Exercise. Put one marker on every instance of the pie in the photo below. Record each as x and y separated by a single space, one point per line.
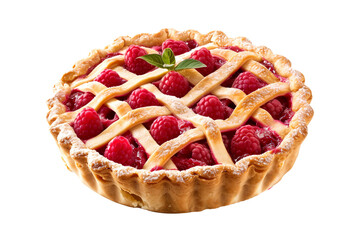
172 139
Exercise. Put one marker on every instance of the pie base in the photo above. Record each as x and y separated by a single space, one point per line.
197 188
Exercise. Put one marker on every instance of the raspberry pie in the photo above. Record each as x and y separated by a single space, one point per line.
180 121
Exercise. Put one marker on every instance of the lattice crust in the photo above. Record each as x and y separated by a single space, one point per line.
131 120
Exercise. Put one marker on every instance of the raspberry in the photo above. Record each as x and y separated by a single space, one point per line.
119 150
173 83
210 106
135 64
203 55
192 44
268 139
178 47
83 99
233 48
77 99
87 124
184 125
186 163
218 62
274 107
142 98
245 143
269 66
201 152
164 128
109 78
247 82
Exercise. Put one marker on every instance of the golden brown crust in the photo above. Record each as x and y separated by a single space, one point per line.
197 188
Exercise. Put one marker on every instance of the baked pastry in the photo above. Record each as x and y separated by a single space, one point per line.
172 139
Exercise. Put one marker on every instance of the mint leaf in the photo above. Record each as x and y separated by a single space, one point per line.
168 56
153 59
189 63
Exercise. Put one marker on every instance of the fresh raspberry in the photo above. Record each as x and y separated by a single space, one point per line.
248 82
210 106
201 152
77 99
87 124
178 47
109 78
218 62
135 64
164 128
83 99
107 116
186 163
119 150
192 44
274 107
184 125
142 98
269 66
203 55
245 143
175 84
268 139
233 48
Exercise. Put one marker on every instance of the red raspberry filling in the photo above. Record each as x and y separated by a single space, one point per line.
269 66
192 44
107 116
233 48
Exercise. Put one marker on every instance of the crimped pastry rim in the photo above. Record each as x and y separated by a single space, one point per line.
68 140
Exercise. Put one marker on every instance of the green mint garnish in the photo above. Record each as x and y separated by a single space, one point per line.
167 61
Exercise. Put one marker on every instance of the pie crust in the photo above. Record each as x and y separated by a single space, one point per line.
197 188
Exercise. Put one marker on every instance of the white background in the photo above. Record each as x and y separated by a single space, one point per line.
41 40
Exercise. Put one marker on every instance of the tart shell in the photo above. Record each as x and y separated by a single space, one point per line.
197 188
